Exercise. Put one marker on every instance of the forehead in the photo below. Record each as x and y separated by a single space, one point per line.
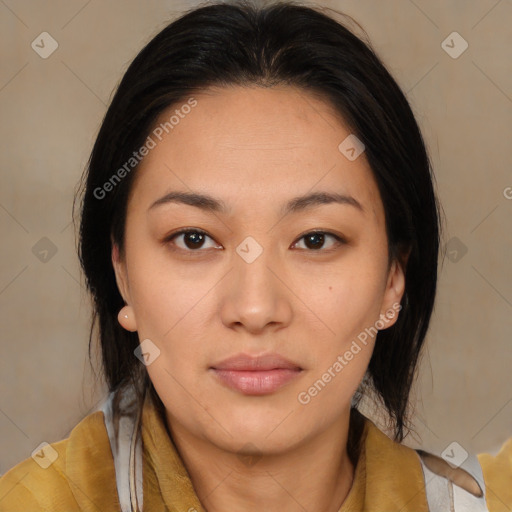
253 144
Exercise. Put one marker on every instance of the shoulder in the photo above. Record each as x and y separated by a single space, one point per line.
393 477
419 478
76 473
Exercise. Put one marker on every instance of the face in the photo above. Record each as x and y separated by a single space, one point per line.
303 283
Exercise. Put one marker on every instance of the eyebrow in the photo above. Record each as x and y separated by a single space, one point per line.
297 204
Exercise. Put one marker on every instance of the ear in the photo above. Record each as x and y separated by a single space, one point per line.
121 275
126 316
394 291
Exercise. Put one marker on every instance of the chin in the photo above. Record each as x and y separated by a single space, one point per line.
267 432
256 444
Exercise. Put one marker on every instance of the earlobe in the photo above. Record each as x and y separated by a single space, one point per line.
126 318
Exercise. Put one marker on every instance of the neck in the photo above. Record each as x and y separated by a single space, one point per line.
317 474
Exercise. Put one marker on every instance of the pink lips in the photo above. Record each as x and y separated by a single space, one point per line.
256 375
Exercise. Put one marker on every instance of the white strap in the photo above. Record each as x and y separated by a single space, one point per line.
439 491
121 418
445 496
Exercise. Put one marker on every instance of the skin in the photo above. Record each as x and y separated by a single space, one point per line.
255 149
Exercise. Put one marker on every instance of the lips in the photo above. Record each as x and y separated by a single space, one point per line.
256 375
244 362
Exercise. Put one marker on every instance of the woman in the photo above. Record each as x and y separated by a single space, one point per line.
260 236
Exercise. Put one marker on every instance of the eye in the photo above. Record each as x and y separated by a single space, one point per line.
191 239
314 240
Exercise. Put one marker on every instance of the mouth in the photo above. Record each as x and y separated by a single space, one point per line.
256 375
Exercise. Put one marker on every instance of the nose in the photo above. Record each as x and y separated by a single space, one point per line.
257 297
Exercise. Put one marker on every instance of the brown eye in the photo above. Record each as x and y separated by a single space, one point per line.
315 240
189 239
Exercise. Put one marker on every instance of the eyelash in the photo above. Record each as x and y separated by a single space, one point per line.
339 240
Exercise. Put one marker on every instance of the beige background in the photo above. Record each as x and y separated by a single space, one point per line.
51 110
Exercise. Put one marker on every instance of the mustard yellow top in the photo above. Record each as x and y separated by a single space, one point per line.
388 476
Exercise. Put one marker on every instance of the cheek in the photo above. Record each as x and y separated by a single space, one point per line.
162 293
350 298
172 306
350 306
167 306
